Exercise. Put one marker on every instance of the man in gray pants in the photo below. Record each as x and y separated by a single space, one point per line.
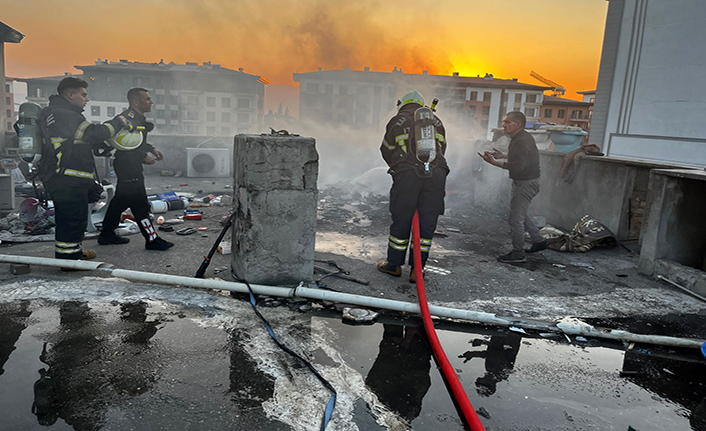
523 164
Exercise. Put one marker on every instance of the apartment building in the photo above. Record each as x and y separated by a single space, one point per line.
366 98
190 99
567 112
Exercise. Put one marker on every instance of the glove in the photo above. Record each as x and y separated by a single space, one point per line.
94 192
148 126
102 150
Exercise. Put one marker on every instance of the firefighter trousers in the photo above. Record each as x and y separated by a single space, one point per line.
71 218
410 193
130 194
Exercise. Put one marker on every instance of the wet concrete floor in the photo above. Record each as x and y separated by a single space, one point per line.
115 360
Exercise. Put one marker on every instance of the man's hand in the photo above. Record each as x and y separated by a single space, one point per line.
498 154
149 159
488 157
158 154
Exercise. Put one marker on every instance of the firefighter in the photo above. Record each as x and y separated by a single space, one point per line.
413 147
130 191
67 166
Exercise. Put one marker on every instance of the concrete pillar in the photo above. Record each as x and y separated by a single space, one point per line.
275 200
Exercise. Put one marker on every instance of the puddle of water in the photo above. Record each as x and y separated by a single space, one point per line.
113 365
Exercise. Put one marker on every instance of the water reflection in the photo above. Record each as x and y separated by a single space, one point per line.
13 320
400 375
677 376
90 363
500 356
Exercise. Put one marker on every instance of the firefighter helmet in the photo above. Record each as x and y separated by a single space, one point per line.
410 97
125 140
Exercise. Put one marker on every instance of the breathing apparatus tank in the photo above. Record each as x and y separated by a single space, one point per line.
425 137
29 132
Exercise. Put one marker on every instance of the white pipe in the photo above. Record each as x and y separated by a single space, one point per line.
690 292
568 327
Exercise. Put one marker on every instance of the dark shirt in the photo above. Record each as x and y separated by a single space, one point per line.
128 164
522 157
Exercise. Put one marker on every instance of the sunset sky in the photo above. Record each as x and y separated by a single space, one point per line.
559 39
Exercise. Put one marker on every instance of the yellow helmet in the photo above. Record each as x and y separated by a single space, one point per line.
125 140
410 97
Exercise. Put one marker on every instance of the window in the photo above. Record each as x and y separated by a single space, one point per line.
576 114
486 96
243 103
191 129
486 110
191 114
225 102
531 98
561 113
329 88
225 131
243 118
95 111
210 131
474 96
312 87
531 112
210 102
210 116
225 117
9 114
174 100
8 101
174 115
548 113
111 111
362 90
343 89
472 110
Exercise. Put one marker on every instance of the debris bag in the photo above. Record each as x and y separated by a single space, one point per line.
586 234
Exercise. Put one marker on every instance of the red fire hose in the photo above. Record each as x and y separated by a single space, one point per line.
469 413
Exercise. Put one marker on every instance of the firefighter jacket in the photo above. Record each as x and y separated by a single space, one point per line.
399 145
72 139
128 164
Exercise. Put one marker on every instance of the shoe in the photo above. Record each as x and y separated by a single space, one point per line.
513 257
537 246
388 268
413 275
158 244
112 239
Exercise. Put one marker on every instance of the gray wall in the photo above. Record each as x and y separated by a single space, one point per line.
651 94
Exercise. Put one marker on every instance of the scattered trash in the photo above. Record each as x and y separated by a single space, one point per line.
668 372
158 206
160 220
516 329
19 268
628 373
186 231
483 412
454 230
166 173
567 338
203 228
549 335
224 247
703 349
359 315
582 265
621 275
558 265
581 339
166 228
183 184
193 215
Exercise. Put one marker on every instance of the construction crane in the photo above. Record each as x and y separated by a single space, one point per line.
558 89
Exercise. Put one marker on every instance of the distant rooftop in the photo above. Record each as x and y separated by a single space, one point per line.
206 66
9 34
488 81
554 100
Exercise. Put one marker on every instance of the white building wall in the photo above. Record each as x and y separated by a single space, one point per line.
657 97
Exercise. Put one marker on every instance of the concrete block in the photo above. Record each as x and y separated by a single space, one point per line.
275 199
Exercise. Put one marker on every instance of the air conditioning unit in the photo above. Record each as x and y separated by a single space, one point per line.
208 162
